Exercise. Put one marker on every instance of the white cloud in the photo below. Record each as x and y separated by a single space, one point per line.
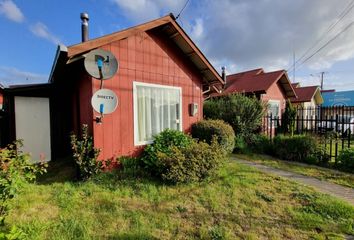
197 29
144 10
13 76
265 33
11 11
41 30
251 34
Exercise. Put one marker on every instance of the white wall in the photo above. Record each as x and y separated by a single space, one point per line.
33 126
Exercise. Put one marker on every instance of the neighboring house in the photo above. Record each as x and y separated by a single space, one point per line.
307 102
274 88
161 74
1 96
307 97
2 117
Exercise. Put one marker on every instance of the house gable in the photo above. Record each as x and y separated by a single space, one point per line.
168 27
259 82
309 94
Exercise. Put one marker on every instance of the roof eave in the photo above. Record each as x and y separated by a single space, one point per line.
61 53
206 70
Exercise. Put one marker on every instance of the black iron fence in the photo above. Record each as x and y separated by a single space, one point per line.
333 125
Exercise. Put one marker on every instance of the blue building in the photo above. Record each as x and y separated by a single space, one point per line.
331 99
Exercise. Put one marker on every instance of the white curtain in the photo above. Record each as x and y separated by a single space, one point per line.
158 109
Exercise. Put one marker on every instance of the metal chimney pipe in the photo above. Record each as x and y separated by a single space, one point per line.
223 75
84 27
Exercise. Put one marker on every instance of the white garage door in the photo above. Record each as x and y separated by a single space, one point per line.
33 126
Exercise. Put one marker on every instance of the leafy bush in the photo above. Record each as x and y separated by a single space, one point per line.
163 143
15 169
195 162
346 160
85 154
131 166
205 130
301 148
321 156
240 144
260 144
243 113
13 234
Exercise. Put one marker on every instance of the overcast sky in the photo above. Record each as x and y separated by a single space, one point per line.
241 35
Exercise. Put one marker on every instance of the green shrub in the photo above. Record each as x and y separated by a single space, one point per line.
301 148
163 143
243 113
13 234
240 145
15 169
205 130
346 160
130 166
85 154
260 144
322 157
195 162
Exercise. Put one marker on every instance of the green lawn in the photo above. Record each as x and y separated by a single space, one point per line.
240 203
341 178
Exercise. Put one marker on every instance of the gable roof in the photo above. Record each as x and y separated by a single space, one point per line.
295 85
257 81
168 26
306 94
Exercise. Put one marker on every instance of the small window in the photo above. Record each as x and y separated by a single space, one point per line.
156 107
273 112
273 108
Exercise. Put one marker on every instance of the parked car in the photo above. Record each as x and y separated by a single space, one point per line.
344 124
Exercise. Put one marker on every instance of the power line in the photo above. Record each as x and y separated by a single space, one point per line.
185 5
345 11
341 16
326 44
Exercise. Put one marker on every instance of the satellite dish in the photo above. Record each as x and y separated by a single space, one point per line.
104 101
101 64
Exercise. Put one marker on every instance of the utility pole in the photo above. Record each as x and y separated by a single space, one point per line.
294 81
321 77
322 73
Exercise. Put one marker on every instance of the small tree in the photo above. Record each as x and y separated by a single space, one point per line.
85 154
243 113
288 118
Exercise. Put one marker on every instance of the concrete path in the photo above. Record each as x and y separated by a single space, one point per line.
344 193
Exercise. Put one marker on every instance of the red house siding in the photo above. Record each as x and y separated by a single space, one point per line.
275 93
144 57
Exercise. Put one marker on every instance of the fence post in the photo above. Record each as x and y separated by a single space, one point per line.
302 119
271 126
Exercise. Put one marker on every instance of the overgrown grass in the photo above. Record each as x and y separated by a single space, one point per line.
334 176
240 203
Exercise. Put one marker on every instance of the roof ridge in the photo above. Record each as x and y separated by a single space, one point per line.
259 69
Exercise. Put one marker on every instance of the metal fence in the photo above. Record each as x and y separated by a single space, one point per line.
334 126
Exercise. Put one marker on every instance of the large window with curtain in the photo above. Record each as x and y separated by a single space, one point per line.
156 107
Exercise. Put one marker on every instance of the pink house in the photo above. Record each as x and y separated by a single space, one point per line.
274 88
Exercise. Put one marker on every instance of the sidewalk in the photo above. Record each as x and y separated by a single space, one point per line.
344 193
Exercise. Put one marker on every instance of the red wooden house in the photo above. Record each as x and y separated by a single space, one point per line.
161 74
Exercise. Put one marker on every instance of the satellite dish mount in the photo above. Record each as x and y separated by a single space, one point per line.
102 65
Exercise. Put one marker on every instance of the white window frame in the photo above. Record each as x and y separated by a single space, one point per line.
277 102
135 108
274 124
